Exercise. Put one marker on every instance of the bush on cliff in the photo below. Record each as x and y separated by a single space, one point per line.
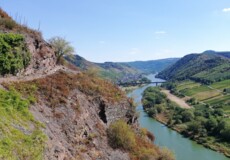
13 53
121 136
137 143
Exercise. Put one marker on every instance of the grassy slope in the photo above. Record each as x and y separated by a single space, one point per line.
21 135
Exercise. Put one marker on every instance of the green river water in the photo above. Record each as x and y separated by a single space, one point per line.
183 148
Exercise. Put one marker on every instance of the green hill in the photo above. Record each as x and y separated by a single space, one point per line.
152 66
109 70
122 71
82 63
207 67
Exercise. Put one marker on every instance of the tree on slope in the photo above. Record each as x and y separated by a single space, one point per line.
62 47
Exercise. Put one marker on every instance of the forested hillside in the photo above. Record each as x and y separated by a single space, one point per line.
108 70
207 67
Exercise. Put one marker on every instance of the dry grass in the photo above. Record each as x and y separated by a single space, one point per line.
9 25
55 89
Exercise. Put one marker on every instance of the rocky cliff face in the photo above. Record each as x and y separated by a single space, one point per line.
43 57
81 133
76 118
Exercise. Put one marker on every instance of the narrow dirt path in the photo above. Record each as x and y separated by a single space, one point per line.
177 100
35 75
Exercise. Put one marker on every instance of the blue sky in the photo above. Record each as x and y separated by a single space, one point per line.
128 30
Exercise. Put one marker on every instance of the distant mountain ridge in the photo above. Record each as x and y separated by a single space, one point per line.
152 66
109 70
209 66
117 71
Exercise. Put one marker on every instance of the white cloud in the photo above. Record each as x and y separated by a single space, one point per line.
160 32
226 10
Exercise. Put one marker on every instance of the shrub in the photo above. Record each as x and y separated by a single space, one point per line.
13 53
151 112
195 127
187 115
121 136
7 23
225 130
61 47
166 154
211 124
152 96
148 134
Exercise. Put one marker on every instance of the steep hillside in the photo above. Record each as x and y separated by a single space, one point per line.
39 54
118 71
152 66
207 67
76 110
52 112
107 70
82 63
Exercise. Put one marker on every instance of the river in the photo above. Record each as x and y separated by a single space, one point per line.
183 148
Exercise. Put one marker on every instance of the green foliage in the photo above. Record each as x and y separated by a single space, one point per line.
187 115
205 79
192 101
205 68
225 130
169 85
152 96
61 47
121 136
18 139
196 128
13 53
211 124
109 70
202 121
151 112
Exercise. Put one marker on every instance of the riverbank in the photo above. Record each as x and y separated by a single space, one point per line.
212 146
183 148
185 121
